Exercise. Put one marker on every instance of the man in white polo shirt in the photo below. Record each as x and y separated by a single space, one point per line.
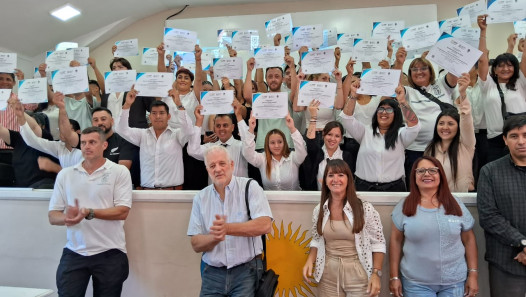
92 199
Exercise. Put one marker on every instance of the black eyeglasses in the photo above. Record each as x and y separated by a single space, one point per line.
384 109
431 171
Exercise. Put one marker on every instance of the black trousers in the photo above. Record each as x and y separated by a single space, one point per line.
394 186
109 270
496 148
504 284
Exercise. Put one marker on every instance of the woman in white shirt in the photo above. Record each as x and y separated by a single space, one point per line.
278 164
348 245
506 84
380 163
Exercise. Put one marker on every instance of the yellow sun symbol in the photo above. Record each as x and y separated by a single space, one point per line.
286 256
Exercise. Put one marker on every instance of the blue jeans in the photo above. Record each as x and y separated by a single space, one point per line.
238 281
412 289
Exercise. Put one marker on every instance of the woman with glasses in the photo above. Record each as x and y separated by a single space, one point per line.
434 231
380 163
427 95
453 142
504 88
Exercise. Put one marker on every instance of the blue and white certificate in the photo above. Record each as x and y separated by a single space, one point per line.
7 62
4 96
179 40
56 60
473 10
470 36
369 50
217 102
420 36
321 61
317 90
119 81
81 55
520 28
224 36
272 105
126 48
385 29
505 11
279 25
153 84
460 21
345 42
242 40
231 68
150 56
271 56
381 82
70 80
454 55
330 37
32 90
309 36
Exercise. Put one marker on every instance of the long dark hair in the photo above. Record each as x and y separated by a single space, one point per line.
506 58
391 136
339 166
443 195
452 151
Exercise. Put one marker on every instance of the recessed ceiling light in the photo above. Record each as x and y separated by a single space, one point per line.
65 12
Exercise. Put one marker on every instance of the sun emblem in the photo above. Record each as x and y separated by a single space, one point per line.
286 256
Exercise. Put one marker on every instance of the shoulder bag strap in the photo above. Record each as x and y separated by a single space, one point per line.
443 105
502 103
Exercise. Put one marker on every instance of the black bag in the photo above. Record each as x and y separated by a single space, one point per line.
505 113
443 105
268 282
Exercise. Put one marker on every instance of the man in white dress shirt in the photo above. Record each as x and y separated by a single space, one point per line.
220 227
160 146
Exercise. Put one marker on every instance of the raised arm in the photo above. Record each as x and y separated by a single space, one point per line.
337 57
401 55
484 59
520 48
339 100
161 67
70 137
295 85
467 130
98 74
512 40
247 87
351 102
314 106
249 145
409 114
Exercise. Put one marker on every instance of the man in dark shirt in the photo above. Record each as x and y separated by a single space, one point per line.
501 203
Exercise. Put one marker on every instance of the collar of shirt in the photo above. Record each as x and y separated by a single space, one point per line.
230 187
80 168
229 142
282 160
150 130
338 154
518 167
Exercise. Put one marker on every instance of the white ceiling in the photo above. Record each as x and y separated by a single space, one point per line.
29 30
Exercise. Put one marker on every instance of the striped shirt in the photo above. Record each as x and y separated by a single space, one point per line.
8 120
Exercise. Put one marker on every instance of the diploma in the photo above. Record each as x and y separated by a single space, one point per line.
150 56
70 80
505 11
81 55
473 10
179 40
32 90
470 36
206 60
520 28
224 36
330 37
454 55
279 25
385 29
368 50
309 36
460 21
217 102
231 68
4 96
381 82
420 36
119 81
127 48
243 40
316 90
321 61
153 84
345 42
271 56
272 105
7 62
56 60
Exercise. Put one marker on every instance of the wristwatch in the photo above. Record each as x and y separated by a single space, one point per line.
91 214
377 272
523 243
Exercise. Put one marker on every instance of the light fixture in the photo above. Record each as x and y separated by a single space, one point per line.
65 12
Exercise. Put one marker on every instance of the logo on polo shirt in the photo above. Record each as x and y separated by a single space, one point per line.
114 151
104 180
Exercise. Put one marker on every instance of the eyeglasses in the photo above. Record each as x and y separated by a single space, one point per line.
422 171
421 69
384 109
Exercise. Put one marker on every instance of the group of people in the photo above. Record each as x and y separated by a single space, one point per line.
423 140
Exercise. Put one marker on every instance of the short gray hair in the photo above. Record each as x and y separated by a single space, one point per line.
97 130
215 148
